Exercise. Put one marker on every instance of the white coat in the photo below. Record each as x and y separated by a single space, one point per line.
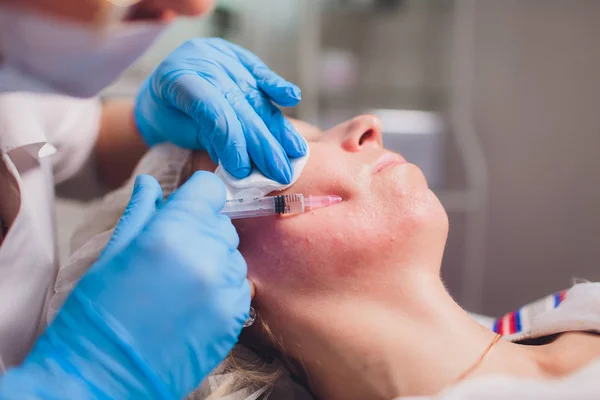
44 139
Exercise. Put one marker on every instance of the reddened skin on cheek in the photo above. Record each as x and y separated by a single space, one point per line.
295 250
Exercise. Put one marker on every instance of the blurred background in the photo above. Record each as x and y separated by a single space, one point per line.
497 101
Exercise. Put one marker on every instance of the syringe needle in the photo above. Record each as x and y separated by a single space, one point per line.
314 202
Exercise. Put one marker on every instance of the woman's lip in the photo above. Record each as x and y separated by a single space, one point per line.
387 160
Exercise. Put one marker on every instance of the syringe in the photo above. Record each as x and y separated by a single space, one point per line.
276 205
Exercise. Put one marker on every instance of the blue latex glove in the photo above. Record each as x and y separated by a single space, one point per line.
162 306
213 95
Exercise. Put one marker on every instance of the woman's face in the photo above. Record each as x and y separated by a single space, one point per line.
388 219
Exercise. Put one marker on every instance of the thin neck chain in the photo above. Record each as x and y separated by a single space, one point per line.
481 358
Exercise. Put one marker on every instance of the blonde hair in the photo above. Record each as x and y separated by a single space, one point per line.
249 367
251 375
255 368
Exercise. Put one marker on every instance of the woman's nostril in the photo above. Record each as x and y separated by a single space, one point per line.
365 136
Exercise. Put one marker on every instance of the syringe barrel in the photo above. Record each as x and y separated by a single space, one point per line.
264 206
293 203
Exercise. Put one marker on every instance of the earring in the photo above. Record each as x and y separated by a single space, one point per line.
251 318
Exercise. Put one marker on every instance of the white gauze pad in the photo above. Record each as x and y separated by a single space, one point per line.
256 184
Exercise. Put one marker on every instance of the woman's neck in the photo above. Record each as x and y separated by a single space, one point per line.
417 342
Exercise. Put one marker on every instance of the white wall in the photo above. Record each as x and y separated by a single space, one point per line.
538 112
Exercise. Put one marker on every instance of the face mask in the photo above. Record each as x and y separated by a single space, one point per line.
48 55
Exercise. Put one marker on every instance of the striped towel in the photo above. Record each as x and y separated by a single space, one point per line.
518 325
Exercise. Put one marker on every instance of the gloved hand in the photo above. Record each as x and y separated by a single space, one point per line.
213 95
163 305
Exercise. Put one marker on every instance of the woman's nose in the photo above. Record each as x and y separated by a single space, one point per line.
363 132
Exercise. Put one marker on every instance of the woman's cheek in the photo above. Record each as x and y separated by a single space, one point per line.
286 249
304 251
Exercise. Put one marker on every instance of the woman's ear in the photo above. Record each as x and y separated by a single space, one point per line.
252 289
